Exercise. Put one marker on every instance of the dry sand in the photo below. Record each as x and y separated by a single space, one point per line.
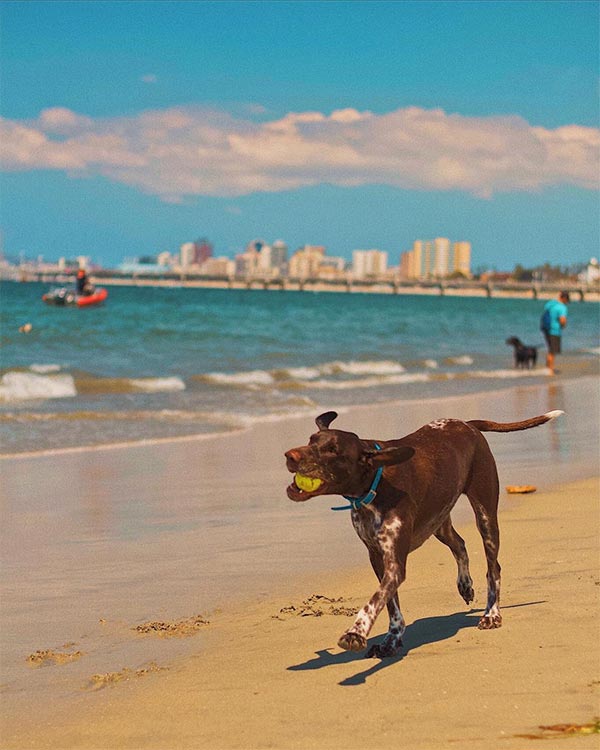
271 676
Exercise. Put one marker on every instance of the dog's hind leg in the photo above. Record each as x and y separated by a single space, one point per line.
448 535
483 493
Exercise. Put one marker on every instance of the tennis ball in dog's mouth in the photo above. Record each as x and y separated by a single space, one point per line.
308 484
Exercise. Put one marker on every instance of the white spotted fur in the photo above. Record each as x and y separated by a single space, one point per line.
438 424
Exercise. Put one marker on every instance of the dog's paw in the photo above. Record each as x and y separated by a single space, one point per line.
384 650
489 622
352 642
465 589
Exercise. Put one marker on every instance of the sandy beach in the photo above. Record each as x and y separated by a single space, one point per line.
180 601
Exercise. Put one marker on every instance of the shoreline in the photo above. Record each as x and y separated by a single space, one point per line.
285 683
273 419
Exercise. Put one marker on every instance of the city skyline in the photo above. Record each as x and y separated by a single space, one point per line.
440 258
347 125
428 259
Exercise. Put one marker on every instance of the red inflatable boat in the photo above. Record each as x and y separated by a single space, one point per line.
65 296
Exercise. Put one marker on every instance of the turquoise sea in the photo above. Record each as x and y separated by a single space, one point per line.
157 362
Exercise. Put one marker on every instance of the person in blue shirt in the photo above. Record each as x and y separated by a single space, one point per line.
554 319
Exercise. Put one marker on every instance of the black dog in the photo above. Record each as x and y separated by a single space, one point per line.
525 356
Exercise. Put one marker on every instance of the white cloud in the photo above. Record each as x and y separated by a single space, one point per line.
186 151
62 121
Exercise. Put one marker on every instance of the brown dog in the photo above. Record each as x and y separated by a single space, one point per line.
400 493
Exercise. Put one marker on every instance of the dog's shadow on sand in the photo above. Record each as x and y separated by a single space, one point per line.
419 633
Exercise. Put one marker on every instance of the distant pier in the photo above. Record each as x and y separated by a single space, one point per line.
449 288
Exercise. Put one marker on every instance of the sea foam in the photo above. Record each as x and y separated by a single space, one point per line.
44 369
309 374
249 378
464 359
158 384
21 386
382 367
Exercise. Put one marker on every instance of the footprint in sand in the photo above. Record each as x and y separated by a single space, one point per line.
182 628
99 681
50 657
317 605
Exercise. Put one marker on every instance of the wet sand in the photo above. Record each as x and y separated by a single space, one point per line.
172 583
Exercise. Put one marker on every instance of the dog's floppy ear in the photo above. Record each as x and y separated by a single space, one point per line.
389 456
324 420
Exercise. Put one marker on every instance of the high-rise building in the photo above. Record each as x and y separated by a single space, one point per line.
264 260
369 263
203 250
436 259
255 260
427 260
418 263
441 254
195 253
416 257
306 261
279 253
461 258
246 263
187 254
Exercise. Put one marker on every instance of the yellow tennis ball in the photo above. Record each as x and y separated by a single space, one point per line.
308 484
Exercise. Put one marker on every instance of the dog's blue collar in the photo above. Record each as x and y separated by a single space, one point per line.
359 502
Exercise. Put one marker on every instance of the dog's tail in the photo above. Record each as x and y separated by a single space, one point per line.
483 425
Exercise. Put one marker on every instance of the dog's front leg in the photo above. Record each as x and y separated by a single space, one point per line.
392 642
393 542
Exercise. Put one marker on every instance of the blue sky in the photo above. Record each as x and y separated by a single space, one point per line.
131 127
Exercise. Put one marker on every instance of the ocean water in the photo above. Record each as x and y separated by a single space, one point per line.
160 362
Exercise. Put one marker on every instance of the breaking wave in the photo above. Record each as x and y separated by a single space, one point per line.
47 382
299 375
347 375
22 386
250 379
158 384
45 369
